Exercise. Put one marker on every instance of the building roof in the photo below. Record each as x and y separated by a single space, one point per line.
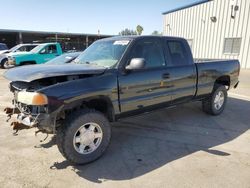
186 6
48 32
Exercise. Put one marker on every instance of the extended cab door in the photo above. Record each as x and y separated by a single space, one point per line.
181 69
148 87
47 53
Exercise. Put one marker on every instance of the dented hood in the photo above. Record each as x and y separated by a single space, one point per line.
29 73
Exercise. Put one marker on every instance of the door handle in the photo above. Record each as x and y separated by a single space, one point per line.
166 75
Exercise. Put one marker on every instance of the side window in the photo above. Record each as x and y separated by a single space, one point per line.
151 51
21 49
178 53
50 49
30 48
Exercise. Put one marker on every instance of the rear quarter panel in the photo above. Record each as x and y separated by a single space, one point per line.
209 72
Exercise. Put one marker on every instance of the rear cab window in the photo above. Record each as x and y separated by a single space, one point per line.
50 49
178 53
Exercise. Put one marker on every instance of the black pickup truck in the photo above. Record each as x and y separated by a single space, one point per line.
114 78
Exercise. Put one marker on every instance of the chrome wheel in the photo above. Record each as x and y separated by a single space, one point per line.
87 138
219 100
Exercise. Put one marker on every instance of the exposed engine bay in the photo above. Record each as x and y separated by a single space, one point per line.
44 82
27 114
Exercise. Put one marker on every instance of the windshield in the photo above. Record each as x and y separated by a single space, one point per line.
65 58
15 47
103 53
37 49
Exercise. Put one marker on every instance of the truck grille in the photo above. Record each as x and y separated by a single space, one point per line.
30 109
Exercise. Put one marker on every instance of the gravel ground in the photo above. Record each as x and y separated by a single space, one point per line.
177 147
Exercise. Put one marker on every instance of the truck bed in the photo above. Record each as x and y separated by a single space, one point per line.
209 71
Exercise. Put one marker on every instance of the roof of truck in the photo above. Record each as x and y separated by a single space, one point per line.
132 37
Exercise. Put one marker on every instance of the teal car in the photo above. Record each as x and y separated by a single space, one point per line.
40 54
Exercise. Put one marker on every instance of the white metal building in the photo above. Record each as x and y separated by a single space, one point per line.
215 29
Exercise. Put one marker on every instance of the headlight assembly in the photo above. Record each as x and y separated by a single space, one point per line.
32 98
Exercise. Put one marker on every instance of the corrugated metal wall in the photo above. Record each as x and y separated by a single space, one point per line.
207 37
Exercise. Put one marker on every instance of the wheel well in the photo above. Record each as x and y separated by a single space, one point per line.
103 105
223 80
99 103
4 59
28 63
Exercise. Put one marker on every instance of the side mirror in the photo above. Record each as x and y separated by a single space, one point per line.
136 63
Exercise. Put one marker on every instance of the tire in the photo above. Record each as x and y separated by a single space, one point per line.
4 63
212 105
74 136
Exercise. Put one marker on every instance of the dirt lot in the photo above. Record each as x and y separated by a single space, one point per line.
178 147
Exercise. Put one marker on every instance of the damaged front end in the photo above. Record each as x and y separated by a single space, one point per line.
30 109
22 121
38 93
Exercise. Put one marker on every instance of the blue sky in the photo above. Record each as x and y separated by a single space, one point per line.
85 16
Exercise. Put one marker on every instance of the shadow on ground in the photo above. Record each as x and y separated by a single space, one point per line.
142 144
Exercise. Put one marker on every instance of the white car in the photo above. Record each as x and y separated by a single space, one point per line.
18 48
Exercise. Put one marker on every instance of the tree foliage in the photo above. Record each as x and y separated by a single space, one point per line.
139 29
156 33
128 32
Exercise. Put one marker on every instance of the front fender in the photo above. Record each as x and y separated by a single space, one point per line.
73 92
25 58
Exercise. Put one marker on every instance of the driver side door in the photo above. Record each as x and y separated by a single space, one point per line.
145 89
47 53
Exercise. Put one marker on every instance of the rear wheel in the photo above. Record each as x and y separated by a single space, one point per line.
215 104
84 137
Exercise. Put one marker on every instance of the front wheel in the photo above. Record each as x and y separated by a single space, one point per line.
5 64
216 103
84 137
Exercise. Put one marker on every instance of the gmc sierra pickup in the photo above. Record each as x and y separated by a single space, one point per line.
114 78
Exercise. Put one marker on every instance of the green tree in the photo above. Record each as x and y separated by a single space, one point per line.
156 33
139 29
127 32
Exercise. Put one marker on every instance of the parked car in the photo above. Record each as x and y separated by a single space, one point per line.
114 78
17 48
3 48
38 55
64 58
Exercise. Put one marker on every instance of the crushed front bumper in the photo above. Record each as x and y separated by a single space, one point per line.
44 122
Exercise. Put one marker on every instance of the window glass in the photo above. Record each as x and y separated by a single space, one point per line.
151 51
3 47
22 49
103 52
178 53
28 48
51 49
232 45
